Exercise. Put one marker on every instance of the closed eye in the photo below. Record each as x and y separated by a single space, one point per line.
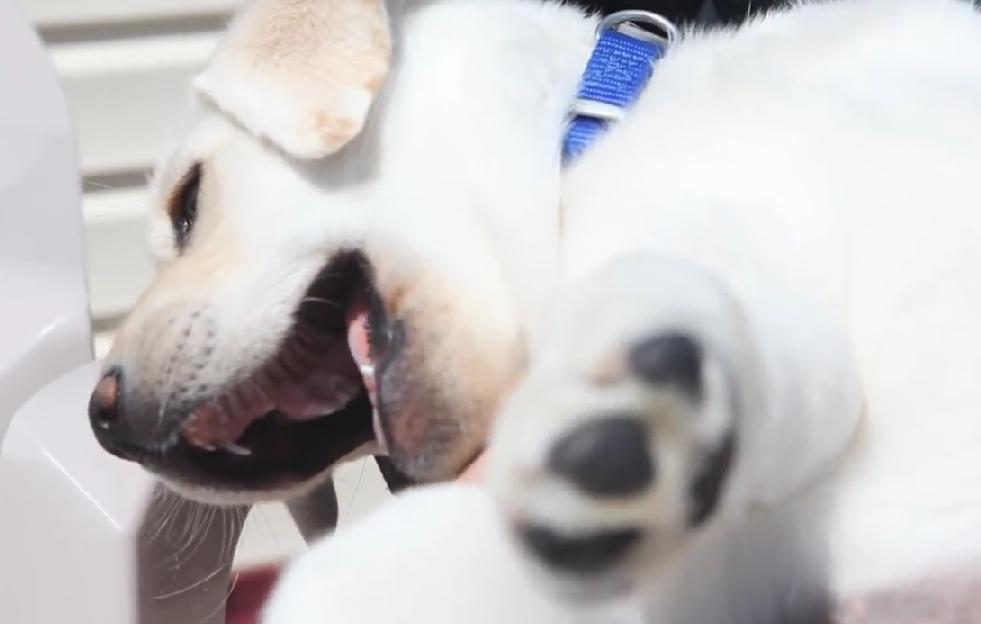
183 207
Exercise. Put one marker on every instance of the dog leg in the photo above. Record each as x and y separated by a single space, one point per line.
660 399
315 513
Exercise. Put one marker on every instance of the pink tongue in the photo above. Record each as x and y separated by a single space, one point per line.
357 341
357 335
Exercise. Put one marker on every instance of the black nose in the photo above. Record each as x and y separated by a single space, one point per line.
606 457
580 554
107 418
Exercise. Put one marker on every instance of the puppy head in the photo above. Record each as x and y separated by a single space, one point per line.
299 316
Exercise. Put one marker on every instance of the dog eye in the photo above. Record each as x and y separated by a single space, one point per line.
184 206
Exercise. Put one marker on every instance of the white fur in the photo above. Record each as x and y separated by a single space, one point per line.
822 165
455 558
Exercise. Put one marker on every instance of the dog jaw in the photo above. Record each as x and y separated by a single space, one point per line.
441 367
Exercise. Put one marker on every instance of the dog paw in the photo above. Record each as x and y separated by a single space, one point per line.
612 461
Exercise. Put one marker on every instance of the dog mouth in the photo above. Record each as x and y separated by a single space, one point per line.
308 406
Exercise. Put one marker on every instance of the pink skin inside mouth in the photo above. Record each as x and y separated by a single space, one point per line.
317 395
328 383
314 377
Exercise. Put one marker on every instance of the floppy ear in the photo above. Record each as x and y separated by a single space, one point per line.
301 73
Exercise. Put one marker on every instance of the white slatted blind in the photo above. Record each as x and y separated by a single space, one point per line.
125 96
61 12
125 66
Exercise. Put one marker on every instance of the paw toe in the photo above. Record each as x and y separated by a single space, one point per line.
670 358
605 457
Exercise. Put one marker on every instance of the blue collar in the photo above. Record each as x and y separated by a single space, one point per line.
617 72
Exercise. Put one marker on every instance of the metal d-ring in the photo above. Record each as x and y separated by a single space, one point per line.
634 16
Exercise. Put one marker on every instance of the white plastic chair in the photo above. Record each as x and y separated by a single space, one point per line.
80 531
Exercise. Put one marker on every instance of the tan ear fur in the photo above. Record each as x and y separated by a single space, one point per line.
301 73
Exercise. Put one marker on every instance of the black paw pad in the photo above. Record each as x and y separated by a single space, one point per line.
581 554
672 358
606 457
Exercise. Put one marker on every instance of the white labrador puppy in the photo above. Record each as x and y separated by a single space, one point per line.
756 391
743 322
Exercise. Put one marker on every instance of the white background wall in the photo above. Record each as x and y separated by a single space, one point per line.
125 67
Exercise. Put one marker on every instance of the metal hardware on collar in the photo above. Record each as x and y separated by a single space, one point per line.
628 20
596 110
617 72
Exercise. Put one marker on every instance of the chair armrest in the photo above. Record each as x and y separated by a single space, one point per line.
45 332
87 537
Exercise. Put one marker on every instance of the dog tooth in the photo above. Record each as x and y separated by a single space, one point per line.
370 383
379 432
237 450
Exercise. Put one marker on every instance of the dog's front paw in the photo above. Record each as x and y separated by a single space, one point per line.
609 462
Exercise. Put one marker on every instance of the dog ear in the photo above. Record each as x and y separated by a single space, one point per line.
301 73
